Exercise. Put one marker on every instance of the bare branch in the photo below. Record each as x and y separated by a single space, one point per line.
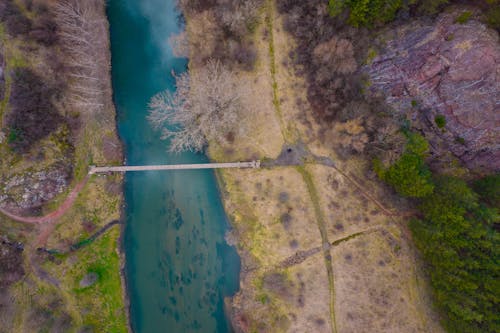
203 108
83 33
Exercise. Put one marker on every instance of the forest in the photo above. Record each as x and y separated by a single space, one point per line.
457 233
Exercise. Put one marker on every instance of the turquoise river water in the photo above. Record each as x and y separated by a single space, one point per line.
178 266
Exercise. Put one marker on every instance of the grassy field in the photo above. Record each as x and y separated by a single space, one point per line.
281 212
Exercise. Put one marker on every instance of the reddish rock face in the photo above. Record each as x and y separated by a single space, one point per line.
446 69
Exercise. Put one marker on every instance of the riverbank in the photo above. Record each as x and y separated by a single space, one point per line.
81 289
310 236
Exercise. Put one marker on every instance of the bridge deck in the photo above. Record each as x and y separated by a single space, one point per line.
125 168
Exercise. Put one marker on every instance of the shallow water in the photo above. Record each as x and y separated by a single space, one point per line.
178 266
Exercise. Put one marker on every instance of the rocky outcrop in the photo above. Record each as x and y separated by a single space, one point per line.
449 70
23 192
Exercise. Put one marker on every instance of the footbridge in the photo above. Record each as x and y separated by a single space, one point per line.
126 168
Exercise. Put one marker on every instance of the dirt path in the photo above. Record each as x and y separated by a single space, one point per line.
53 216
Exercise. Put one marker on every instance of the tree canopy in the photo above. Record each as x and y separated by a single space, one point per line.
366 12
409 175
457 234
204 107
461 246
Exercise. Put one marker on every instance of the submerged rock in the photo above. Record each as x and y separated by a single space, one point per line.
448 70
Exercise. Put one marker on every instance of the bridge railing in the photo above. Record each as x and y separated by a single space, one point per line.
126 168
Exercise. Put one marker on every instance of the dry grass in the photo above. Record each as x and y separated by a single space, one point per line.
377 270
376 282
282 213
310 310
346 210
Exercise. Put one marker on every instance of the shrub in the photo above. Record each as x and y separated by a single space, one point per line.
493 17
44 31
15 22
416 144
229 24
366 12
409 175
372 54
489 189
463 18
460 140
430 7
440 121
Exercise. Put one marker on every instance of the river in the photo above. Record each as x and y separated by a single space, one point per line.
178 266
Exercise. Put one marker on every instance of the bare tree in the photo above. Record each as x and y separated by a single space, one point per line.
204 107
83 32
238 15
335 56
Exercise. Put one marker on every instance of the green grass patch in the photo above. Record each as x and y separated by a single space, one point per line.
272 61
464 17
372 53
104 298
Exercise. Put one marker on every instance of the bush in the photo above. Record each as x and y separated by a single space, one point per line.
489 189
15 22
44 31
366 12
460 140
429 7
229 24
440 121
409 175
416 144
463 18
493 18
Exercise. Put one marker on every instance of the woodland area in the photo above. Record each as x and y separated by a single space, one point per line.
457 233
